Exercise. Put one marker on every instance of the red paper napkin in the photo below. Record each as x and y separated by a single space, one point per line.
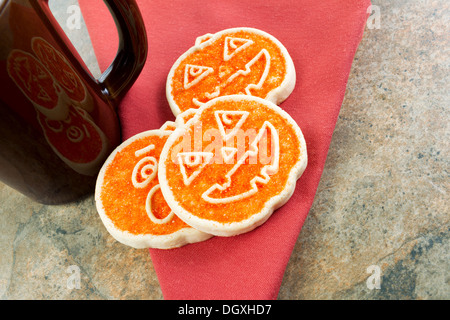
321 37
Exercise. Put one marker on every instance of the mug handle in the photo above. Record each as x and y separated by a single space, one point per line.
131 55
130 58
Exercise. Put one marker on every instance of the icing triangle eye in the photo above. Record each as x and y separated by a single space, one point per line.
229 122
233 46
192 163
193 74
228 153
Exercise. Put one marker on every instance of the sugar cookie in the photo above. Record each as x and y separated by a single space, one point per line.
129 200
233 61
232 164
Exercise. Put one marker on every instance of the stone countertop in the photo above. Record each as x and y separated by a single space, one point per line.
381 206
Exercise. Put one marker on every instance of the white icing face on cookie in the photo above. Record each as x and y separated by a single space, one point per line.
229 166
233 61
129 200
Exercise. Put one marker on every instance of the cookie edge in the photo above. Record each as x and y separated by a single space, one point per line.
257 219
277 95
174 240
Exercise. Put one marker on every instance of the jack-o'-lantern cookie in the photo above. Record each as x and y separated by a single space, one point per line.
129 199
233 61
232 164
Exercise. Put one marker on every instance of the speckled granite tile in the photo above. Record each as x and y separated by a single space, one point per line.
40 244
382 200
48 240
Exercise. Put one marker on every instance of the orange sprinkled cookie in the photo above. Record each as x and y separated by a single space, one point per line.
233 61
129 199
228 167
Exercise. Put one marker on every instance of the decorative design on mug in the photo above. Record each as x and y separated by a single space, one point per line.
62 71
38 85
53 87
76 140
76 134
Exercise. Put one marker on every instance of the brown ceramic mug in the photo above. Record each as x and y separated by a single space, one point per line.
57 122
